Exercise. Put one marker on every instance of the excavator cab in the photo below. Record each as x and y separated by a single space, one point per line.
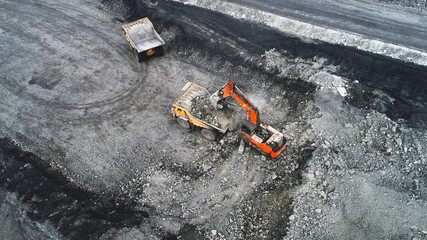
255 132
248 127
266 139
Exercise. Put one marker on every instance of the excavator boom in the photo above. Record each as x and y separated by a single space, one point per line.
230 89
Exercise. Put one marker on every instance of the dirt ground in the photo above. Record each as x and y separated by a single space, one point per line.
89 148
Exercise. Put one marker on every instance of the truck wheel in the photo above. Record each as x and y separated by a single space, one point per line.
139 56
208 134
183 123
160 51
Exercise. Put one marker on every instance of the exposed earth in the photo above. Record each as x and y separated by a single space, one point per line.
89 149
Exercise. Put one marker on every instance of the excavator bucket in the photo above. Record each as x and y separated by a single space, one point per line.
215 98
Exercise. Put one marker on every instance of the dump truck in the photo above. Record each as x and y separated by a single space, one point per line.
192 109
143 39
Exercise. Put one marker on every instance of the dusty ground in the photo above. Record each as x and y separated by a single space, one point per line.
90 150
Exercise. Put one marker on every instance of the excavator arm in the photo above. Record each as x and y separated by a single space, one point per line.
230 89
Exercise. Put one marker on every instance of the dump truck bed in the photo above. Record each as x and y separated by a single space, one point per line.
142 35
190 91
195 100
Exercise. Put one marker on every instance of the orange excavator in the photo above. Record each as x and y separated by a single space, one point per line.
264 138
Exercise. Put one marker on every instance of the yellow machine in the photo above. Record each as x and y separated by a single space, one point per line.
182 110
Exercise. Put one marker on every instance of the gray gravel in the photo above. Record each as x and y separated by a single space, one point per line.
73 94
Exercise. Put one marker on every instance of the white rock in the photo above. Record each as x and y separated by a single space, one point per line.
323 194
241 147
342 91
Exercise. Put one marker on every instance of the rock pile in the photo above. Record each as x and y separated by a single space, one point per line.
202 108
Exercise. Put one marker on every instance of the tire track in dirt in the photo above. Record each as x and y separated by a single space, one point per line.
106 106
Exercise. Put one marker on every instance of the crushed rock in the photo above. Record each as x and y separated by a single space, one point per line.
202 108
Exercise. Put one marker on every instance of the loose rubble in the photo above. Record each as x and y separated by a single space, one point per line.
202 108
350 170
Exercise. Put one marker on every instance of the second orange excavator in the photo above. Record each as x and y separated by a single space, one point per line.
264 138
